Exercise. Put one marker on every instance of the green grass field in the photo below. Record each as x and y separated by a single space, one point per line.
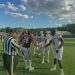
44 69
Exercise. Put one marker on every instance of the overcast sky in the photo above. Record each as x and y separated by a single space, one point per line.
36 13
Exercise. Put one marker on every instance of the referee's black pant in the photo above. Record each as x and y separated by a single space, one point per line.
7 60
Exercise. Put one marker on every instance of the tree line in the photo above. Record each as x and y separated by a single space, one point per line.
68 27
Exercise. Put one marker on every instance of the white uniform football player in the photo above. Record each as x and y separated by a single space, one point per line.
35 39
45 40
39 43
26 51
57 41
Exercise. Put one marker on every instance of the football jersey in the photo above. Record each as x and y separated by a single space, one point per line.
56 41
44 39
26 41
34 38
48 39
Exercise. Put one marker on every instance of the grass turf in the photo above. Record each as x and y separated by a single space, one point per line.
44 69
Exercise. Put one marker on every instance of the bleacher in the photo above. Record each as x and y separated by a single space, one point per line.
69 36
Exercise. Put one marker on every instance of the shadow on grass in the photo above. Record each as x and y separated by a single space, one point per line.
35 72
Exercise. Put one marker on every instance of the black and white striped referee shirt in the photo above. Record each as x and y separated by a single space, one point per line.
10 46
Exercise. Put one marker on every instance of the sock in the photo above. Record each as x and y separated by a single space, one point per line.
26 63
61 70
30 64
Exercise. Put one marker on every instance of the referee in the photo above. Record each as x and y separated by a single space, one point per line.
10 48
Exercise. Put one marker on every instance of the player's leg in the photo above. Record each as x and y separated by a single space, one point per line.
43 55
60 64
54 66
48 52
39 51
61 67
34 49
25 57
55 60
60 61
29 60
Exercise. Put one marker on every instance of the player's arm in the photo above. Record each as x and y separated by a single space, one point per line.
14 44
62 42
48 43
34 42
